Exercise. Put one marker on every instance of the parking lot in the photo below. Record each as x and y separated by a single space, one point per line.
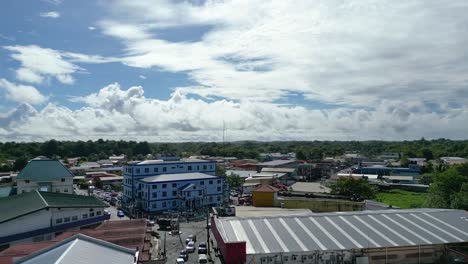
174 244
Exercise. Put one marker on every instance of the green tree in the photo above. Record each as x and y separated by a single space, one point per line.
20 163
220 171
97 182
234 180
301 155
349 186
448 188
404 162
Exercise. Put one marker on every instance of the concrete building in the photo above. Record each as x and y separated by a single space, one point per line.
386 171
135 171
264 196
82 249
37 216
45 176
181 191
386 236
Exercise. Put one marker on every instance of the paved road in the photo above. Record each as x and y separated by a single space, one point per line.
111 209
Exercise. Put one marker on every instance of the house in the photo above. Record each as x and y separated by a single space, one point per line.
264 196
83 248
45 176
37 216
181 191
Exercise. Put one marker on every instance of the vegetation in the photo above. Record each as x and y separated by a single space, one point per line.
402 199
349 186
449 189
101 149
234 180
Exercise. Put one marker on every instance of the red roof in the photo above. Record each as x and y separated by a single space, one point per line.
127 233
266 188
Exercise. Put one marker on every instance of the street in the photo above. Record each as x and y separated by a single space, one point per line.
112 209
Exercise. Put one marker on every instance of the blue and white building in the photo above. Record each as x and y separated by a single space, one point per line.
133 172
182 191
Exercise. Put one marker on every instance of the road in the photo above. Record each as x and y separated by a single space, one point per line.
112 209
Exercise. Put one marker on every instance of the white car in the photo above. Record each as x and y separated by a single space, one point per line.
190 247
180 261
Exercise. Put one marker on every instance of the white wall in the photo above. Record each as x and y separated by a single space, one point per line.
63 187
30 222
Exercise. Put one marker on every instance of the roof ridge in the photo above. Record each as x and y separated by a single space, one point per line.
43 199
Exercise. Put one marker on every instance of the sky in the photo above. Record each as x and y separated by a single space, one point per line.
172 71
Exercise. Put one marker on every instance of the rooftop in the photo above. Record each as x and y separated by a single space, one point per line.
152 162
44 170
346 230
266 188
30 202
285 170
276 162
178 177
81 249
310 187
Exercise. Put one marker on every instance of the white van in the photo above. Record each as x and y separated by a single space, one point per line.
202 258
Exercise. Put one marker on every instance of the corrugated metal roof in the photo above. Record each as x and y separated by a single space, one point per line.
44 170
178 177
344 231
276 162
81 249
26 203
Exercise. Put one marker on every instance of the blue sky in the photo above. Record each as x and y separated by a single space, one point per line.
176 70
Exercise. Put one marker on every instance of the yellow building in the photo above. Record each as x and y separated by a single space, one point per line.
264 196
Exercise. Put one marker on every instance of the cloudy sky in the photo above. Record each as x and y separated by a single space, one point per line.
265 70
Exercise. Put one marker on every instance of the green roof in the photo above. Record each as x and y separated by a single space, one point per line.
26 203
44 170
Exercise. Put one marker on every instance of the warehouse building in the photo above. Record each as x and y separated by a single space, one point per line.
390 236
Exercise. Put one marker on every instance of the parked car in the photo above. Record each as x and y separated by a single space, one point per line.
202 248
120 213
183 254
180 261
193 238
190 247
202 258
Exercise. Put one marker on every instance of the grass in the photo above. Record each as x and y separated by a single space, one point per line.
402 199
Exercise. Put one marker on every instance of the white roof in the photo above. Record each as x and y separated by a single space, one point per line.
81 249
346 230
178 177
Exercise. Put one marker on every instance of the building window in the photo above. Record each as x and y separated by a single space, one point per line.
219 198
154 186
173 167
198 167
174 193
58 220
174 203
164 185
211 199
66 219
154 205
154 195
91 214
200 192
155 170
219 181
98 213
164 169
219 189
146 170
163 204
27 181
211 182
138 170
174 185
211 166
202 182
74 218
164 194
57 190
189 168
85 216
65 190
63 179
204 167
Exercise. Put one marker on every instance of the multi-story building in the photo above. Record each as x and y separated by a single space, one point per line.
135 171
181 191
46 176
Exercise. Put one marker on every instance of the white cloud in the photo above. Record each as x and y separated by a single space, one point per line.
51 14
116 113
22 93
91 28
38 64
142 77
355 52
